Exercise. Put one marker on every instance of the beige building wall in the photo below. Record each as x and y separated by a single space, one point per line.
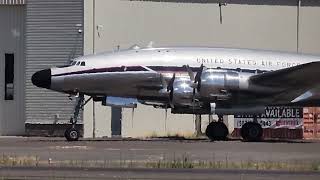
309 29
124 23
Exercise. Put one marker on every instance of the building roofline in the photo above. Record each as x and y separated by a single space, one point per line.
243 2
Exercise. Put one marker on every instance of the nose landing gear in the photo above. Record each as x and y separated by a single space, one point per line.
71 133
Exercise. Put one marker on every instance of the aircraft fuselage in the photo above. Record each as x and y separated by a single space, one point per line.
139 72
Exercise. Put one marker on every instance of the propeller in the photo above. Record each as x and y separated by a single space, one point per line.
195 78
196 85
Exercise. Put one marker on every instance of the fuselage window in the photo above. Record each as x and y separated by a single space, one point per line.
83 63
78 63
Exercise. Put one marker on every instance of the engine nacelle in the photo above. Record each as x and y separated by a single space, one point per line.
216 82
182 92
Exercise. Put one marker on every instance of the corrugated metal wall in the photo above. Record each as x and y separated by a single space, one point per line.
12 2
52 38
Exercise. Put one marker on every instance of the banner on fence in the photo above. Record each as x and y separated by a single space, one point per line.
275 117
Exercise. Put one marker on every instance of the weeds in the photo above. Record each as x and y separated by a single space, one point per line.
13 160
183 161
173 135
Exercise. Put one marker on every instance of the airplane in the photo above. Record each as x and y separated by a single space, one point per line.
190 80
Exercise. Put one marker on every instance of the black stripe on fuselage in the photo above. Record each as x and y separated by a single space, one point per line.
172 68
109 69
154 68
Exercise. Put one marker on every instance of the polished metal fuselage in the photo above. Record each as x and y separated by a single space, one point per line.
146 84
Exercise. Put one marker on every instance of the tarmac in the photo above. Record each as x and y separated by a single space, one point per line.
34 157
44 173
157 149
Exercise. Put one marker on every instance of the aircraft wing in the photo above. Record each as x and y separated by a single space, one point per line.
293 81
301 75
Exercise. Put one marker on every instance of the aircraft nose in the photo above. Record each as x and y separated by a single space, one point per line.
42 78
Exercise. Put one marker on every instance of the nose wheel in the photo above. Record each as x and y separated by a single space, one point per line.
72 134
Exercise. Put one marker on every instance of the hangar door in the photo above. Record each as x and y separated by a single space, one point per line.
11 70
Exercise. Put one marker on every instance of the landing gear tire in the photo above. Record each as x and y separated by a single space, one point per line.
72 134
251 131
217 131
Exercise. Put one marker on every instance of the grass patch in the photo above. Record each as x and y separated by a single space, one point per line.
13 160
174 135
183 161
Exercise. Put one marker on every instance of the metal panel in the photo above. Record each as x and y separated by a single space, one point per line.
12 2
12 42
52 39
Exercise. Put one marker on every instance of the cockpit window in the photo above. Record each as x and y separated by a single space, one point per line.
73 63
83 63
78 63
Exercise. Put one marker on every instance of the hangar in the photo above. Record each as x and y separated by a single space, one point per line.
36 34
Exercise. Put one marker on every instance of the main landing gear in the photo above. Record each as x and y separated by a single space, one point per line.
71 133
217 130
252 131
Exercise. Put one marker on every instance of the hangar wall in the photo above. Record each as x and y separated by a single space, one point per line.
51 39
12 67
270 25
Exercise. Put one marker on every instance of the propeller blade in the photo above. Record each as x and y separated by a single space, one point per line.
198 75
170 84
163 81
197 79
190 72
199 86
171 99
193 99
196 85
170 90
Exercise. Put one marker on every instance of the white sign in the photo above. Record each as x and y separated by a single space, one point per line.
275 117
